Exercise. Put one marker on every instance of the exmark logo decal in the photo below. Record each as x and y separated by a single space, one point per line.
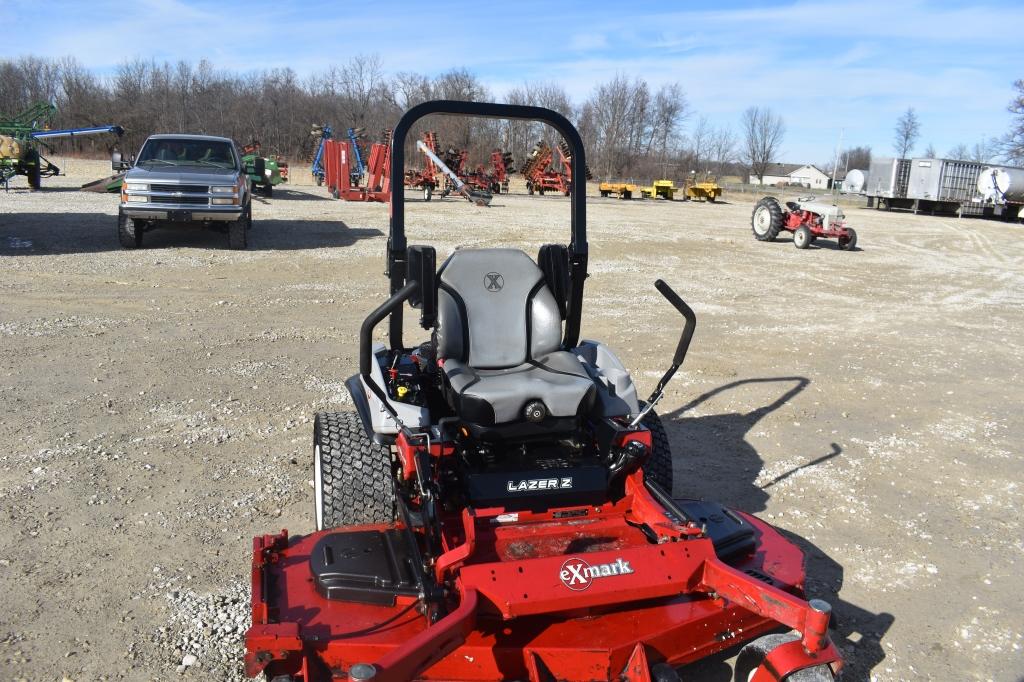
577 574
530 484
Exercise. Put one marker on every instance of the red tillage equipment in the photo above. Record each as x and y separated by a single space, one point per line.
337 160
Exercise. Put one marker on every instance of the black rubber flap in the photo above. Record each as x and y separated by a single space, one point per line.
730 534
367 566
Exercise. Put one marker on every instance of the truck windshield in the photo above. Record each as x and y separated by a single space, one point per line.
188 153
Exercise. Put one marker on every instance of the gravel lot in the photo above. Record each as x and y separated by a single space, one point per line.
157 410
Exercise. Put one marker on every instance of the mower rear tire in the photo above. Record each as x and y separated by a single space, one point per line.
352 477
802 237
851 242
129 232
658 467
766 220
753 654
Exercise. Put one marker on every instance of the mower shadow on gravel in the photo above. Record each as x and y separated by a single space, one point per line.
714 460
288 235
290 195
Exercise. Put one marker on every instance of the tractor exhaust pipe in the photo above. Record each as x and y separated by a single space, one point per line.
478 198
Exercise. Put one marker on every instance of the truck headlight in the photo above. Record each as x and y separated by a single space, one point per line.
137 187
222 189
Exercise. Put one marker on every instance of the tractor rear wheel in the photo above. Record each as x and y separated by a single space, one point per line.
352 478
753 654
659 465
766 220
802 237
850 242
129 232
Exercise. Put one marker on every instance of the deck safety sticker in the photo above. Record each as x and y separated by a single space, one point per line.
577 574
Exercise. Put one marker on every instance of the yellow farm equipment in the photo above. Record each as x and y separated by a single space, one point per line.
706 190
623 190
664 189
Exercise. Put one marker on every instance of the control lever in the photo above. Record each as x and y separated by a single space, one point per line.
680 354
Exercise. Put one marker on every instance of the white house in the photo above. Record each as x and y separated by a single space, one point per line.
806 175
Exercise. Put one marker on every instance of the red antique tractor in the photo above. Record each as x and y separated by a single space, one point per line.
499 504
806 218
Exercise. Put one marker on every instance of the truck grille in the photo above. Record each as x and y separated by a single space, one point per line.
180 200
190 189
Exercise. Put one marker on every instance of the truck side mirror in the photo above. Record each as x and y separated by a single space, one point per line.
118 163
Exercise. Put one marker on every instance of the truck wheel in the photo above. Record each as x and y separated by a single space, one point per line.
33 169
802 237
129 232
352 477
753 654
766 220
428 192
850 242
237 238
658 467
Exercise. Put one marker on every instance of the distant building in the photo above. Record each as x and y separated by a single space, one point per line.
805 175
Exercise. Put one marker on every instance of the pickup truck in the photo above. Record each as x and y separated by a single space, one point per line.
185 181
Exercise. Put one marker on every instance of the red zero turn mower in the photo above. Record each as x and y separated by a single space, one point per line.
806 218
499 506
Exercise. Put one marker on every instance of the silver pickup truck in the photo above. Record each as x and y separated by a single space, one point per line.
185 180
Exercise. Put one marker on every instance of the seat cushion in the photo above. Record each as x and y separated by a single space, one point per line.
498 396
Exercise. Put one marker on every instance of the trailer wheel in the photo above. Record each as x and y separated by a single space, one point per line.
850 242
129 232
428 192
33 168
319 181
529 188
766 220
605 193
352 477
753 654
658 467
802 237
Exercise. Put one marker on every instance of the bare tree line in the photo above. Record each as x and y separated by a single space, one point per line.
630 129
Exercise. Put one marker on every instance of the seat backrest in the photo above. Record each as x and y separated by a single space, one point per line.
494 309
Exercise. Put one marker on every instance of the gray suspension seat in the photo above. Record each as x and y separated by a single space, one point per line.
499 334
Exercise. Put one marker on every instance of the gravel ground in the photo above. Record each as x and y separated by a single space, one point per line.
157 407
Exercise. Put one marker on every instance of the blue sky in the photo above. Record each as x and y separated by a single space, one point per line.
824 66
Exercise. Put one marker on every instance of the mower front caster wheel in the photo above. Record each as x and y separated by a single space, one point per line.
753 654
802 237
353 483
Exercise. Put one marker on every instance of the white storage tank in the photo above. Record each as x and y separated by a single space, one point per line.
854 182
1001 185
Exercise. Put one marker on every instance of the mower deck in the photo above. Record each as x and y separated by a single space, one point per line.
588 596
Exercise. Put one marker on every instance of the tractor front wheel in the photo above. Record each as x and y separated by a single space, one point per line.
766 220
850 242
802 237
753 654
353 482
